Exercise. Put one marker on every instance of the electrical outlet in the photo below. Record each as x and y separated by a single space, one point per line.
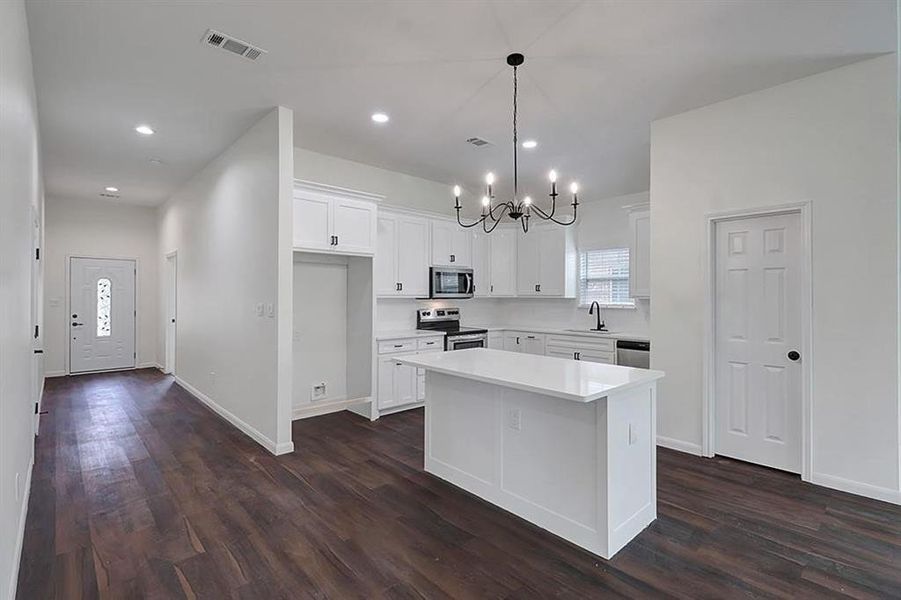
515 416
317 391
296 335
270 310
259 309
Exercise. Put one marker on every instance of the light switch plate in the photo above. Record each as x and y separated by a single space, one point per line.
317 391
633 434
270 310
259 309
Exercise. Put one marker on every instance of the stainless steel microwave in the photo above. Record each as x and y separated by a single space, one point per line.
450 282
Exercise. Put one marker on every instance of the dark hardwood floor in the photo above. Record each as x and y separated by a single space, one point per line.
140 491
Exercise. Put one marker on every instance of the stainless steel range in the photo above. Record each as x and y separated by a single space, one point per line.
448 321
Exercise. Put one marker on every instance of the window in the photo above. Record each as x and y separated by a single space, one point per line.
104 297
604 277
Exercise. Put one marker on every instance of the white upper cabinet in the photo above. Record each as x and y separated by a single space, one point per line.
451 244
335 220
640 253
481 264
494 262
546 262
402 260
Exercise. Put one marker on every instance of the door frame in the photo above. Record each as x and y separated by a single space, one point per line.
708 425
173 256
68 336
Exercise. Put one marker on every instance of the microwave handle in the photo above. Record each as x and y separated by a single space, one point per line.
470 287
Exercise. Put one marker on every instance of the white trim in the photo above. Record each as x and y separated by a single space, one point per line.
20 533
679 445
247 429
314 187
152 364
856 487
708 424
55 373
68 283
639 206
325 408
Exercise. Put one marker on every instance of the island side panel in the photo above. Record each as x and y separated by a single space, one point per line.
461 443
536 456
632 464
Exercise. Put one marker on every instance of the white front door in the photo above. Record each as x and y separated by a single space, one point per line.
758 335
102 318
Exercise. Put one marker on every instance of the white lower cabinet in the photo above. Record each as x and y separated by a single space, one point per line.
525 342
581 348
573 347
401 385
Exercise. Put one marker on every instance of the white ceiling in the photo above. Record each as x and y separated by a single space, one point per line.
596 74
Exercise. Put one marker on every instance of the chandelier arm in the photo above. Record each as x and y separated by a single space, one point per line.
462 224
506 205
494 225
541 213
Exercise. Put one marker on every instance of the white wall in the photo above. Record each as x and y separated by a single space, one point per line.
21 206
399 189
831 140
227 226
99 229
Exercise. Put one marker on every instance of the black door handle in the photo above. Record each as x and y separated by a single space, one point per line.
793 355
76 324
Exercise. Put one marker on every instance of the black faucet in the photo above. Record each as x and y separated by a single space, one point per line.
601 326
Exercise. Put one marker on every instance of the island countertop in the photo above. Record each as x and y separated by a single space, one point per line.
574 380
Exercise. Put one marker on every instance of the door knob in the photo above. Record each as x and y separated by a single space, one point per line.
793 355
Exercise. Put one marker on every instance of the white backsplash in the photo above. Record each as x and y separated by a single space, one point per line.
400 313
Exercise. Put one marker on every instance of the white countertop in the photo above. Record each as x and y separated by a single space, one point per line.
408 333
563 378
606 335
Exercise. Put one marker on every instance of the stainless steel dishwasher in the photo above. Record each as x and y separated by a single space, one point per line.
630 353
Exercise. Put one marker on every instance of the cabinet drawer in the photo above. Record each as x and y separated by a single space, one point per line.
389 346
582 343
430 344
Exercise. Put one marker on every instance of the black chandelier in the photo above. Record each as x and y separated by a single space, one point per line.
516 209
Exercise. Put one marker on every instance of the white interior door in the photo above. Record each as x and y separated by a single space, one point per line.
758 334
171 310
102 323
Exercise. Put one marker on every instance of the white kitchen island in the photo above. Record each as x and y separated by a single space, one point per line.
564 444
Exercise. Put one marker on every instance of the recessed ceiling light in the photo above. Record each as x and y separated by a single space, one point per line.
380 117
156 161
144 129
111 189
529 144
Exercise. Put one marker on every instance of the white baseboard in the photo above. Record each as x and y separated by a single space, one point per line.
856 487
325 408
55 373
148 365
679 445
250 431
20 534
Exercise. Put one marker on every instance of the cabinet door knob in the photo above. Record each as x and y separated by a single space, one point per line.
453 258
793 355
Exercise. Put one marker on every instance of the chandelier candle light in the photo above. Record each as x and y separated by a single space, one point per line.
516 209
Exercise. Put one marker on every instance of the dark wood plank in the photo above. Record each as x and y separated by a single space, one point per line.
139 491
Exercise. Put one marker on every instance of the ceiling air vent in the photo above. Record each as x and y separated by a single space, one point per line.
234 45
108 195
478 142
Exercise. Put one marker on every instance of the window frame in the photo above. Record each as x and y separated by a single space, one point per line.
632 305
